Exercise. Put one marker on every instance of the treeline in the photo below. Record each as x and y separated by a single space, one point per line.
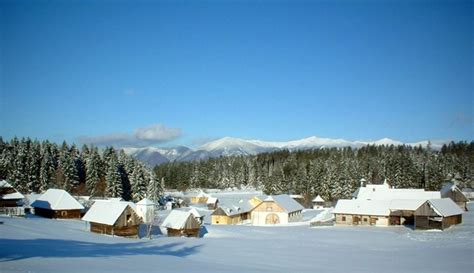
333 173
33 167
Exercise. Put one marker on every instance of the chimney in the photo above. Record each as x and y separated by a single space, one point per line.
362 182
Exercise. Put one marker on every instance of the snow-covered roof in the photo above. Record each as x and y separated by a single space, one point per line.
284 201
177 219
10 192
211 200
235 206
323 216
56 199
383 192
318 199
105 211
146 202
445 207
363 207
406 204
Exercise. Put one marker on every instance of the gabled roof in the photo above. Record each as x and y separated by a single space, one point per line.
284 201
318 199
235 206
445 207
105 211
363 207
56 199
193 211
211 200
178 219
146 202
447 187
406 204
7 192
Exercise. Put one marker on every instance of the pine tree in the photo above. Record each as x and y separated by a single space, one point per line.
113 180
47 170
92 172
138 183
155 189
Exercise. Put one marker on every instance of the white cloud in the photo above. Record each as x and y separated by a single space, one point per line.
154 134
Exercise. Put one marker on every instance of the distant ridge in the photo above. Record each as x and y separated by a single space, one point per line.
230 146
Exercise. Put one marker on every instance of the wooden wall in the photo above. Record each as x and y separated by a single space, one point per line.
60 214
364 220
183 232
126 231
128 218
9 203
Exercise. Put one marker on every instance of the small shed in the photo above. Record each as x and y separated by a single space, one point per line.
146 210
9 196
182 223
438 214
212 203
450 190
56 203
114 218
318 202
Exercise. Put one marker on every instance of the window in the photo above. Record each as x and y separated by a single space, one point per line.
269 208
365 219
129 216
343 218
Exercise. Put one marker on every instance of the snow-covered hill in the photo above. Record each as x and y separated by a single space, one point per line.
230 146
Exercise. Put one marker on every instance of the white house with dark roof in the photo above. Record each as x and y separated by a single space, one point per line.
276 209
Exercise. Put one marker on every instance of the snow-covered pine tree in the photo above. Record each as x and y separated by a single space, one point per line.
92 172
113 179
139 183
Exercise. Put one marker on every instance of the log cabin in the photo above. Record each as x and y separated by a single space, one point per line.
450 190
56 203
438 214
182 223
9 196
113 218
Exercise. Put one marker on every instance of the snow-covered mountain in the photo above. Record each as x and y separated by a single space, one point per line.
229 146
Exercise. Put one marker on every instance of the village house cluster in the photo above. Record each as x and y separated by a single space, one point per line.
372 204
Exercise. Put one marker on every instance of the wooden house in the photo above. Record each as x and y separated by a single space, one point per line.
200 198
114 218
232 212
318 202
9 196
212 203
276 209
56 203
437 214
182 223
450 190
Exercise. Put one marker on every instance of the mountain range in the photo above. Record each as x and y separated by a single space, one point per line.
230 146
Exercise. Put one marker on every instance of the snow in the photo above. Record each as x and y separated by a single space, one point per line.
384 192
363 207
37 244
318 199
145 202
57 199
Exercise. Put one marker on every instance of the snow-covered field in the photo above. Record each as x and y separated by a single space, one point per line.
42 245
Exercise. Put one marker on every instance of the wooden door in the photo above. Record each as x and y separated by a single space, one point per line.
272 219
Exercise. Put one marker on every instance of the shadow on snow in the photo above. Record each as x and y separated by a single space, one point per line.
16 249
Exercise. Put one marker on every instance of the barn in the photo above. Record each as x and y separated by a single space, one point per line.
56 203
114 218
437 214
9 196
181 223
450 190
232 212
362 212
276 209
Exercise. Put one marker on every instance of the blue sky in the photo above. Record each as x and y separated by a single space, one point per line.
182 72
